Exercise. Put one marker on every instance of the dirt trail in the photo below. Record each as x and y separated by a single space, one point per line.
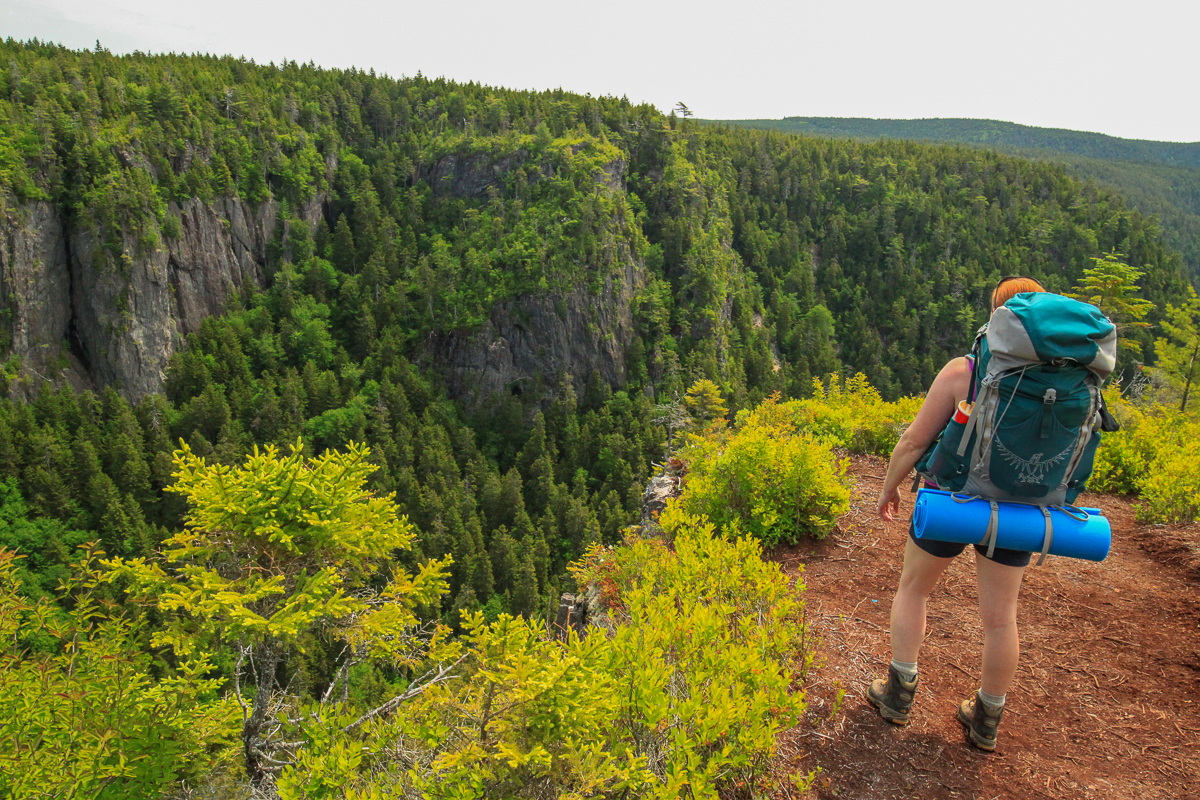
1106 703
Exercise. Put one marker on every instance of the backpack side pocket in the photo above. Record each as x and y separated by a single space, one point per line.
942 463
1083 470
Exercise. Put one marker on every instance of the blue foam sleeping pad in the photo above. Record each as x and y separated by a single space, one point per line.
940 517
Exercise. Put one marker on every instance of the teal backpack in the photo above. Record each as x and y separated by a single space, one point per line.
1032 434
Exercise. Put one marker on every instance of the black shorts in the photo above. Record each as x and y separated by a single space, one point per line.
1010 558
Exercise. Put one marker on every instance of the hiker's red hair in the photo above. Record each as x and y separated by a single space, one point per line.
1010 287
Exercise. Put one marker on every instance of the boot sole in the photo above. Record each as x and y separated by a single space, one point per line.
891 715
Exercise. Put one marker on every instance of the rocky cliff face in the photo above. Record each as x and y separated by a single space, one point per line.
119 324
538 338
470 176
122 316
70 312
35 285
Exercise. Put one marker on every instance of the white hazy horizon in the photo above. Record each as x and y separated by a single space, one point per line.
1120 69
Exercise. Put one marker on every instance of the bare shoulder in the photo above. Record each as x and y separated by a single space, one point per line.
954 379
950 386
957 367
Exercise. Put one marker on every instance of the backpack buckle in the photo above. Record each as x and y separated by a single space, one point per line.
1048 400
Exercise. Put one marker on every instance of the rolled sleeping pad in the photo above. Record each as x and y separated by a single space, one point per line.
947 517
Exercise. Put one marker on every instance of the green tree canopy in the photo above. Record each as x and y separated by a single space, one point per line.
1179 352
275 552
1111 286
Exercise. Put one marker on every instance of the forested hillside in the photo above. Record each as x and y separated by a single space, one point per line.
994 133
1157 178
493 289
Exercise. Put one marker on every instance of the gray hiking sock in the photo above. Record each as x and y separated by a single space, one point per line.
907 669
992 702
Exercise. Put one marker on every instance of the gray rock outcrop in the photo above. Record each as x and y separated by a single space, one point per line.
67 302
470 176
123 314
543 337
536 339
71 306
35 285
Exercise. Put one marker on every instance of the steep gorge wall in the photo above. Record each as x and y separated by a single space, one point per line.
71 315
537 340
35 284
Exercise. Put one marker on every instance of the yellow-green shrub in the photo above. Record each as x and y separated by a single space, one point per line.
1154 455
1171 491
1124 456
83 715
526 717
851 415
709 639
683 696
766 477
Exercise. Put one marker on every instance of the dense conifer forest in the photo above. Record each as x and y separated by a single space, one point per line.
1157 178
769 260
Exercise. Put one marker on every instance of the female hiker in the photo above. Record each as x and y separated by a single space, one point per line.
998 577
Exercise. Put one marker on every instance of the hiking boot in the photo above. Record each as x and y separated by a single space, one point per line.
893 697
980 723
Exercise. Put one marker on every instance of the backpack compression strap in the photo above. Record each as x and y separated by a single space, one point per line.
972 359
972 389
1049 536
990 425
989 536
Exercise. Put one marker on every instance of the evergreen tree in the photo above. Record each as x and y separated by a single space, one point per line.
342 251
1111 286
1179 352
704 403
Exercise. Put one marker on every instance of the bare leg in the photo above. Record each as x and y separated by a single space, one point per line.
920 575
999 586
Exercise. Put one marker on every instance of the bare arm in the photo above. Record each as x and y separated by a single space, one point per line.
949 387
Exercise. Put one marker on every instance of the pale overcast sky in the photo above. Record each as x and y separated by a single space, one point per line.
1123 68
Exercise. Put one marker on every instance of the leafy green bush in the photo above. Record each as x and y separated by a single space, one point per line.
278 551
527 716
767 477
1123 456
851 415
1154 455
1171 491
685 696
709 638
83 716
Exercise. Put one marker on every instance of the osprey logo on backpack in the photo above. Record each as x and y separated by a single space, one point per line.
1031 471
1033 431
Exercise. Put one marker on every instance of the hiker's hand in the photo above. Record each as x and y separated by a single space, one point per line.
889 503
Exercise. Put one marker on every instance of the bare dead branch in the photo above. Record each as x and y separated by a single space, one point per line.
418 686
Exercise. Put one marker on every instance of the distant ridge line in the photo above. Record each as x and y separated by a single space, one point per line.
989 133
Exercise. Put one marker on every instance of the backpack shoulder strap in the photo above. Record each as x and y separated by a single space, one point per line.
973 357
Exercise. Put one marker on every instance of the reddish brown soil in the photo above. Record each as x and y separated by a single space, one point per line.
1106 702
